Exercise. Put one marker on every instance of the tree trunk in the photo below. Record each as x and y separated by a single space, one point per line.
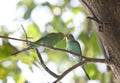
108 23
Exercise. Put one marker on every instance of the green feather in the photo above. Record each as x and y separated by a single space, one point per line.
49 40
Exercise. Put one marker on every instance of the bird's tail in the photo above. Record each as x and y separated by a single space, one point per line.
21 51
80 59
86 72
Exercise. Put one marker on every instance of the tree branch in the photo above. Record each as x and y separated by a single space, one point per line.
44 66
94 16
40 58
77 65
26 37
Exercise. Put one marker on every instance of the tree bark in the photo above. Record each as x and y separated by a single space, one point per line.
108 16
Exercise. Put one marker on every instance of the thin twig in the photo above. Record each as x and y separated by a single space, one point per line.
26 37
94 16
77 65
44 66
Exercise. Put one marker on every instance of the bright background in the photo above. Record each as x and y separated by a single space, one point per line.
40 17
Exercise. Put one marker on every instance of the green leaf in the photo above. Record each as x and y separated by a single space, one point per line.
26 59
92 70
29 4
3 73
6 50
20 79
61 44
57 56
92 43
76 10
33 31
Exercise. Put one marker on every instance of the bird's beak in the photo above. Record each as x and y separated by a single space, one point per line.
66 35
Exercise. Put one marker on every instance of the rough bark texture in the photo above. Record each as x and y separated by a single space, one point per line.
108 12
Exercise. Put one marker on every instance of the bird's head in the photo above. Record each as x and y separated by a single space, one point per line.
70 37
61 34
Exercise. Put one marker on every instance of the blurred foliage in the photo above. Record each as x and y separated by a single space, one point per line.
33 28
86 35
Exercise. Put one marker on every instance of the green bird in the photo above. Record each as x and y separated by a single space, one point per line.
49 40
74 46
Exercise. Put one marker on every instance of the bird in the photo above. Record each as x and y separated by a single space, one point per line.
49 40
74 46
